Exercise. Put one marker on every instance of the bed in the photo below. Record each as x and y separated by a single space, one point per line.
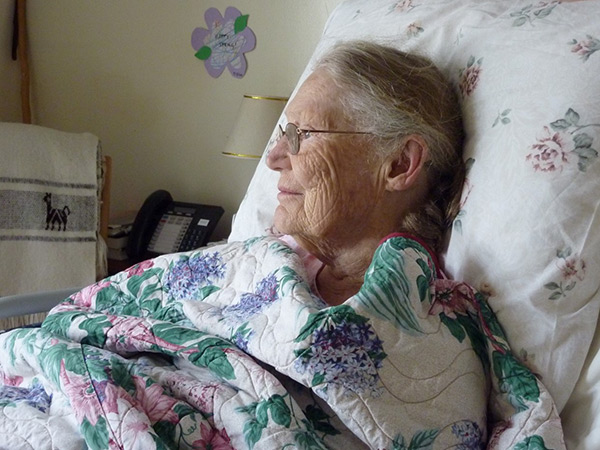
527 235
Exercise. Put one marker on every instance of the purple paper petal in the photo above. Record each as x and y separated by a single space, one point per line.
213 70
198 38
212 16
232 13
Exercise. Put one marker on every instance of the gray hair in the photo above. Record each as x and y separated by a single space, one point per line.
392 94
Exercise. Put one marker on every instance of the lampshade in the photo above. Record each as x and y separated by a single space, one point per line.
253 126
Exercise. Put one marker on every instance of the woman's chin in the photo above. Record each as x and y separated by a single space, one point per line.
284 222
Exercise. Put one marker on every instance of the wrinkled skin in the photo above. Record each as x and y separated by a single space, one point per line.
337 202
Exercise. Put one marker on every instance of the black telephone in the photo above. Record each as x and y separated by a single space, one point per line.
164 226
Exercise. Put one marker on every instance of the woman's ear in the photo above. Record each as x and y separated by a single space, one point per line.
405 166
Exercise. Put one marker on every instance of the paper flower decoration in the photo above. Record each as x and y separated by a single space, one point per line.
224 43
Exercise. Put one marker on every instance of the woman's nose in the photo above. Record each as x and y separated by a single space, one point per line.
278 157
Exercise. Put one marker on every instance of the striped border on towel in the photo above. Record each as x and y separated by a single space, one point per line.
49 183
48 238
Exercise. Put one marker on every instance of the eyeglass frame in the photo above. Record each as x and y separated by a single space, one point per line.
292 132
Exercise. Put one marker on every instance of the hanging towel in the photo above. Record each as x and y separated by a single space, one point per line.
48 208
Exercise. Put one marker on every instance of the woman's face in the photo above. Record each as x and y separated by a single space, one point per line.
329 188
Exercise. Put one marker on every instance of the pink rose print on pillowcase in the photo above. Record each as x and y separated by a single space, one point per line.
224 43
551 151
562 143
572 268
585 47
414 30
469 76
401 6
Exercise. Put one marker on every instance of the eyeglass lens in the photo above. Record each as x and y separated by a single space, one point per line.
291 132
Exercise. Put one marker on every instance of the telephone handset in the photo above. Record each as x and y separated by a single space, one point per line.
165 226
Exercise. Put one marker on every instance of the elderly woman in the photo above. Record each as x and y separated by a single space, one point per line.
341 333
373 147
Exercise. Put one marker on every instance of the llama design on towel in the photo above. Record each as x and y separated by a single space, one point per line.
55 216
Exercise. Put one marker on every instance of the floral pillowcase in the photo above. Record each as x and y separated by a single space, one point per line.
526 74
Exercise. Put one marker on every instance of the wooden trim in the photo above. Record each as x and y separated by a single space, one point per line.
105 197
24 61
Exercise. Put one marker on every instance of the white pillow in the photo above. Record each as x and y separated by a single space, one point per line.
529 230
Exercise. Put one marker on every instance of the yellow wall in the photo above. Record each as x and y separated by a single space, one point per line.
126 71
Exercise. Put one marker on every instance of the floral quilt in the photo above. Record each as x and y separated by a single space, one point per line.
228 347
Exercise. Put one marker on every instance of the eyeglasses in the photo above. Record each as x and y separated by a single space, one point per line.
293 133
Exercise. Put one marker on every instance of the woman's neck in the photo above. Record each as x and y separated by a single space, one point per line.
343 272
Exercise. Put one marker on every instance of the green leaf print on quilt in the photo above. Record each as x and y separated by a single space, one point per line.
51 359
319 420
211 354
28 338
534 442
202 351
386 290
113 300
516 380
276 408
422 440
96 435
96 330
280 248
259 412
121 374
135 282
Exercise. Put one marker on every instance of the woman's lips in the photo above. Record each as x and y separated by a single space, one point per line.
284 192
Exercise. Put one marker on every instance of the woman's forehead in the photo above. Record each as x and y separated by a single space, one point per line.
317 99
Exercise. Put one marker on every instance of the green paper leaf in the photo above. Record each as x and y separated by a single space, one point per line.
204 53
241 22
